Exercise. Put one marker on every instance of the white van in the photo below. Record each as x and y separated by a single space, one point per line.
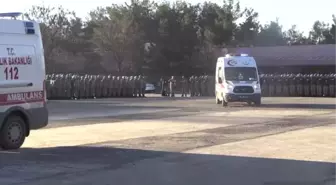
22 80
237 80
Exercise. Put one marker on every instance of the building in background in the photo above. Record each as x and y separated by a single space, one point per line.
302 58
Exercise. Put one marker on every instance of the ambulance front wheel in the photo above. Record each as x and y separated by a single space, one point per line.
12 133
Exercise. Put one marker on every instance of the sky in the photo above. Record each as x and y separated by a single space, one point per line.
302 13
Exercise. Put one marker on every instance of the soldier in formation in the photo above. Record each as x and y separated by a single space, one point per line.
298 85
72 86
192 86
172 86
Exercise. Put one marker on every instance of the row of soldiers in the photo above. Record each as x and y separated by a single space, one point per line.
295 85
298 85
69 86
192 86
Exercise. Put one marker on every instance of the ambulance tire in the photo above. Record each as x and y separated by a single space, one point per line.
6 140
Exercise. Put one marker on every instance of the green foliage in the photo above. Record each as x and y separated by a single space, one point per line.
165 38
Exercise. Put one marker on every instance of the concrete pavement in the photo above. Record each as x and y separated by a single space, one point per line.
182 141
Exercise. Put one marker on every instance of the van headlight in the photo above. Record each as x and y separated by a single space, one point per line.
256 86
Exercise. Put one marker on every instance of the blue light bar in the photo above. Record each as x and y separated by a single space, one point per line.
30 31
11 14
29 24
237 55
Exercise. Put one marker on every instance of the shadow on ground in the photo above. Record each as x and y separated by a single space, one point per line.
88 164
300 106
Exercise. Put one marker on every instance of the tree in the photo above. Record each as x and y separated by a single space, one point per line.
61 32
177 40
55 24
143 18
217 24
320 33
295 37
163 38
115 33
271 35
247 32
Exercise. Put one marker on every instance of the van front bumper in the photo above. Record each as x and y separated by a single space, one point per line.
242 97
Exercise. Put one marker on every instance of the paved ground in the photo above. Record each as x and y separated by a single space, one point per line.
154 141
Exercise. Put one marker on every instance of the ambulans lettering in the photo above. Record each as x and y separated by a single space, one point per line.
26 96
26 60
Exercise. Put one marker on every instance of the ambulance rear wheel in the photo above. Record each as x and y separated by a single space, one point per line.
12 133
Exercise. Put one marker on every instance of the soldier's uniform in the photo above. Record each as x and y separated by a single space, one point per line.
299 84
163 87
172 85
143 86
202 86
138 86
306 86
206 85
263 84
196 86
192 86
184 86
271 85
325 89
332 85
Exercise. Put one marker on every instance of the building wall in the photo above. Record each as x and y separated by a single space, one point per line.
314 55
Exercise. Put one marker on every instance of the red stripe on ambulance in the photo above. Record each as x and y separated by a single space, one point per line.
21 97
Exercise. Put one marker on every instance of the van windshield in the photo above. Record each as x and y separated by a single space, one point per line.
241 74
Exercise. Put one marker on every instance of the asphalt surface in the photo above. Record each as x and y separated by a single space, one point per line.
157 140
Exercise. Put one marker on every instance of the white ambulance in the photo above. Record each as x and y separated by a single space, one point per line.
22 80
237 80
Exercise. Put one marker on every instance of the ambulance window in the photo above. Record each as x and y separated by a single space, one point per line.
241 73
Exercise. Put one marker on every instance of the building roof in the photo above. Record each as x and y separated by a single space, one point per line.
289 55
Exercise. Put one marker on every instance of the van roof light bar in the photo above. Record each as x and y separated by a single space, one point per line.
12 15
237 54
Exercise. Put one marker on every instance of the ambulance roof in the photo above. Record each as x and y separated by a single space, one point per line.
10 24
241 60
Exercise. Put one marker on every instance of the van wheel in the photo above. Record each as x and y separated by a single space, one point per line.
13 133
249 103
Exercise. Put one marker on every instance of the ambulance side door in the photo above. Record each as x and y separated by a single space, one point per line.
20 78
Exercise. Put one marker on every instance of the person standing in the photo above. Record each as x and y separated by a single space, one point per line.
172 84
184 85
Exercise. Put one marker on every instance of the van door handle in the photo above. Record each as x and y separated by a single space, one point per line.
16 85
